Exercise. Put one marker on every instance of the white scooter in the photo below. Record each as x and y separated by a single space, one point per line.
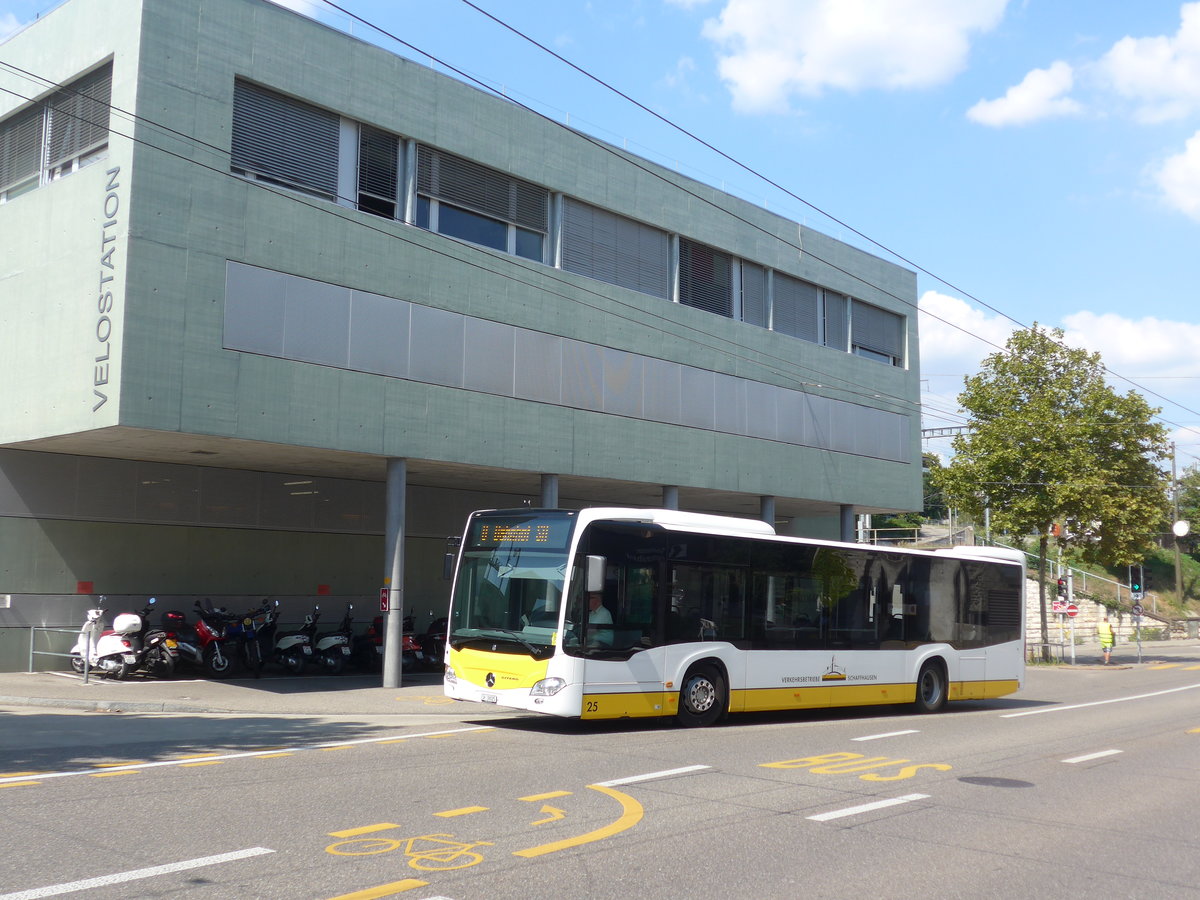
109 652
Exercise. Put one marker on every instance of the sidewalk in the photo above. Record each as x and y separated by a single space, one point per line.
420 694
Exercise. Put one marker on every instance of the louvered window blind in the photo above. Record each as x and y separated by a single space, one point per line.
21 146
705 278
615 250
754 294
284 141
378 171
443 176
77 118
877 329
835 321
796 307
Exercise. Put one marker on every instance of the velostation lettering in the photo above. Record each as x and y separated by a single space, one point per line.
106 300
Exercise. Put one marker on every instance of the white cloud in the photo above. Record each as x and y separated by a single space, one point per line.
1040 95
955 336
771 50
1179 179
1137 348
1160 75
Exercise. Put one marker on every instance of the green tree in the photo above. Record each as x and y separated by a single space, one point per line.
935 503
1051 444
1189 507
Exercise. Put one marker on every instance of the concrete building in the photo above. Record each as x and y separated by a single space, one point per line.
279 307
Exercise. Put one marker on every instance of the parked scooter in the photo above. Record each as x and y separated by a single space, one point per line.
110 651
241 638
211 626
293 649
368 647
155 655
332 648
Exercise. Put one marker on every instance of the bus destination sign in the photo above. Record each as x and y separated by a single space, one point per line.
533 532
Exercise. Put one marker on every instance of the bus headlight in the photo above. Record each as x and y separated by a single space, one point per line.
449 677
547 687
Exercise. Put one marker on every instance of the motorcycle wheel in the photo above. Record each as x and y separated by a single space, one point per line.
254 660
163 666
120 672
77 664
217 666
333 663
293 663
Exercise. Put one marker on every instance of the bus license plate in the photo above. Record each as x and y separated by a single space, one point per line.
489 698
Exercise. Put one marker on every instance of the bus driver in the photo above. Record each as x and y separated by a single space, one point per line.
600 632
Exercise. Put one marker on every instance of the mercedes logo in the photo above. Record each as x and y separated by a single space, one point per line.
491 679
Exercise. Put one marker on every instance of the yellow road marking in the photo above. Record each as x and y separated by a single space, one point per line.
384 890
211 762
201 756
366 829
273 755
631 814
1190 668
555 814
1164 666
111 774
19 784
549 795
132 762
339 747
464 811
394 741
17 774
1194 731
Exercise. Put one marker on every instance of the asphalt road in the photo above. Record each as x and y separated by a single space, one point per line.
1083 785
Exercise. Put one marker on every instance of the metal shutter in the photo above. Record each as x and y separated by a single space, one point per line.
78 117
284 140
835 321
378 160
462 182
705 280
21 146
615 250
754 294
877 329
795 306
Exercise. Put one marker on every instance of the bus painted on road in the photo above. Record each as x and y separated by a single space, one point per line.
606 613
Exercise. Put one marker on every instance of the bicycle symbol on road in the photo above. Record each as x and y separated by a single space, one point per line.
426 852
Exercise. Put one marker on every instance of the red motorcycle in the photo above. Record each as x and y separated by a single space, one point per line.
368 647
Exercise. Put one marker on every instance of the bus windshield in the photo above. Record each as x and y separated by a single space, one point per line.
510 581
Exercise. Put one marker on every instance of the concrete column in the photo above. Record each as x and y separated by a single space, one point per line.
848 522
393 570
549 492
670 496
766 510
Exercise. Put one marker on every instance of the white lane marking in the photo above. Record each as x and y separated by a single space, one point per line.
247 754
633 779
1048 709
875 737
88 883
866 807
1090 756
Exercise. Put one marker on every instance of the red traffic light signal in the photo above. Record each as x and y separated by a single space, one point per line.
1062 587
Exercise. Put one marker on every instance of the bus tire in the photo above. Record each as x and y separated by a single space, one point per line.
932 687
703 698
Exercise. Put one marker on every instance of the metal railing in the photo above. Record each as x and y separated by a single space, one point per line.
35 630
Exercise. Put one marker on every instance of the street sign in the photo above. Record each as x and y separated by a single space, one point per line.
1137 609
1072 610
383 599
1058 606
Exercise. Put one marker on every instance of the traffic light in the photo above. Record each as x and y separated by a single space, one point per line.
1062 587
1137 584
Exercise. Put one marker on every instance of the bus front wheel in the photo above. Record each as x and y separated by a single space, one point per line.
931 688
703 698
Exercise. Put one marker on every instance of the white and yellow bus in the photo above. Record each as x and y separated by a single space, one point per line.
608 613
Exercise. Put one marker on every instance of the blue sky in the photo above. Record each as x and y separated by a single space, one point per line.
1040 156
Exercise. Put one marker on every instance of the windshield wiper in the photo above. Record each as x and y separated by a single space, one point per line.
532 648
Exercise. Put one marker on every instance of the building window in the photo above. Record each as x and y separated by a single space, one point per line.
378 171
705 278
616 250
835 321
463 199
876 333
56 136
284 141
796 308
754 295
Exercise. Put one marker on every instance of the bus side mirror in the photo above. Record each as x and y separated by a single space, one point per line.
595 573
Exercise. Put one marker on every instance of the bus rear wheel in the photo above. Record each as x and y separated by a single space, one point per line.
931 688
703 698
